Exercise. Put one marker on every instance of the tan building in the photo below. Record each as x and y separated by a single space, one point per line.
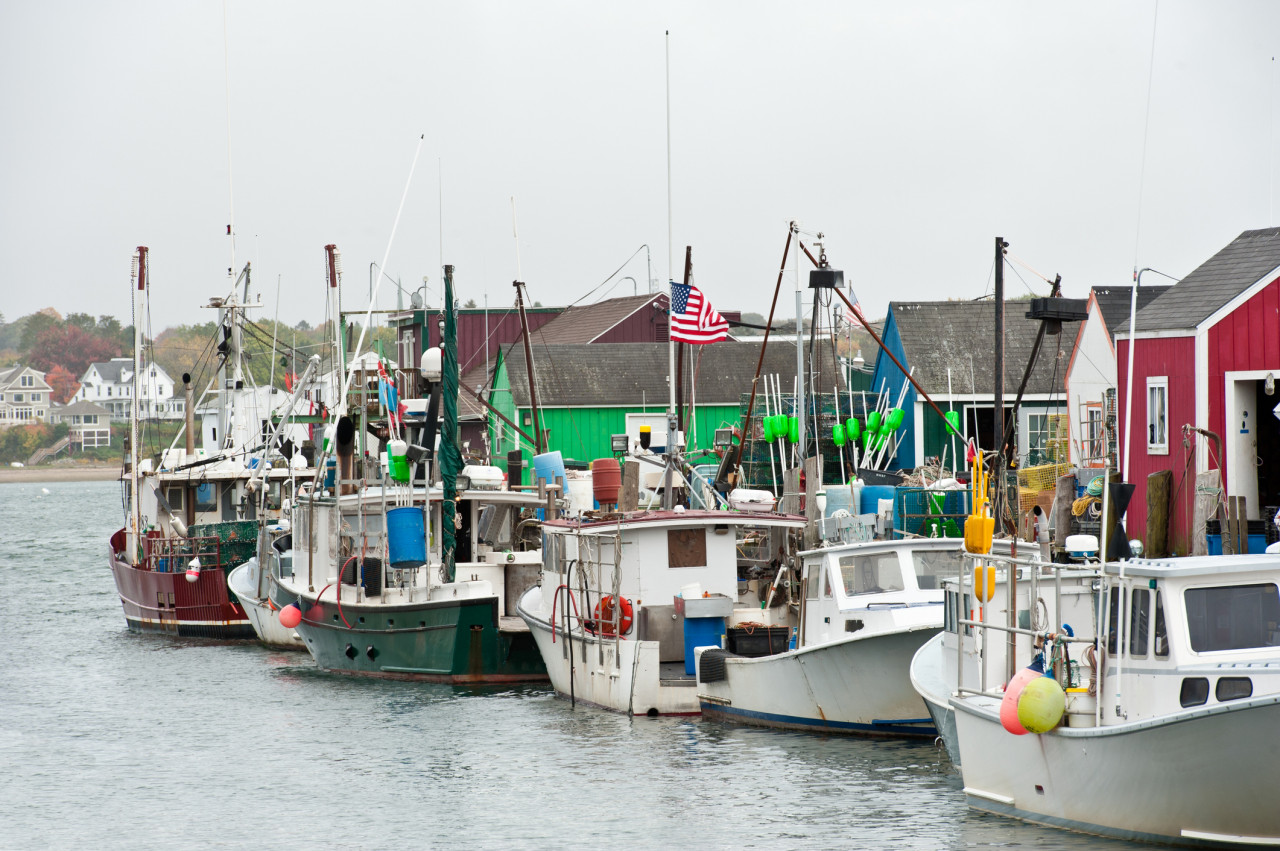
24 396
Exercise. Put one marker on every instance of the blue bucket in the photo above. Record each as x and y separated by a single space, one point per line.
406 537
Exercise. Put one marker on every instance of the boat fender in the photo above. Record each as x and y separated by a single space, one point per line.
290 616
603 620
1009 705
1041 704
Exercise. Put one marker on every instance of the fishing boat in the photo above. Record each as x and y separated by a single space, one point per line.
625 599
190 514
1158 725
867 608
388 575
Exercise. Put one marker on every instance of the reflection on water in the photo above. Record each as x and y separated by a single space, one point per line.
118 740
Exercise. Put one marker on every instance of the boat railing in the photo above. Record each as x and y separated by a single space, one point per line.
980 574
173 555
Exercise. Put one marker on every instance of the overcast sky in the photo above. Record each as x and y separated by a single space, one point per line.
910 133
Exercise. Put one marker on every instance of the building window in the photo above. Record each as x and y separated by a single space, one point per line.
35 397
18 397
27 381
1037 439
1158 415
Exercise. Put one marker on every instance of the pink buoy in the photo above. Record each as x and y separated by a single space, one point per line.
1009 705
290 616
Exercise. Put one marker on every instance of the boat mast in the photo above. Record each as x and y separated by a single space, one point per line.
528 362
998 388
139 302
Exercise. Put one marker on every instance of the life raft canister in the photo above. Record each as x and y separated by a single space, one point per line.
602 622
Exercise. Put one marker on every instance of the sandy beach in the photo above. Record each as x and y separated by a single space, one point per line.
61 473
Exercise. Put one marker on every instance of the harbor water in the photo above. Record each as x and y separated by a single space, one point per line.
116 740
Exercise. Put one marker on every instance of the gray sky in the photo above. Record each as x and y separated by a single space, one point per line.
910 133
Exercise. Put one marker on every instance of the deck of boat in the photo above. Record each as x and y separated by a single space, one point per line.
672 674
511 623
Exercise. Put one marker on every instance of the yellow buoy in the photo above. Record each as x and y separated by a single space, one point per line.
1041 704
984 582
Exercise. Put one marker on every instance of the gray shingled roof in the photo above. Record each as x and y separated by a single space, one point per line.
1222 277
110 370
582 375
81 408
961 335
584 323
1114 302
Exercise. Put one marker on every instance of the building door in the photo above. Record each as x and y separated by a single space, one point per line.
1268 449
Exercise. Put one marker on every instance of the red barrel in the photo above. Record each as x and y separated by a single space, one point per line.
606 480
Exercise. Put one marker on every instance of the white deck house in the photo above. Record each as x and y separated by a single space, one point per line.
111 384
24 396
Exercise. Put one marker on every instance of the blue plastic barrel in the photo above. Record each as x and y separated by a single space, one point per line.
871 496
549 466
840 497
406 537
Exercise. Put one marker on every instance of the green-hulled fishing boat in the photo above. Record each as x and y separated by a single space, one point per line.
389 576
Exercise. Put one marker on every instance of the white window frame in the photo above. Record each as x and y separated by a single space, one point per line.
1157 429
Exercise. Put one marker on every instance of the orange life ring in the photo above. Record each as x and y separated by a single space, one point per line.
603 620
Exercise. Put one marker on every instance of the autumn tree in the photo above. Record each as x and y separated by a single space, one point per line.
63 382
71 347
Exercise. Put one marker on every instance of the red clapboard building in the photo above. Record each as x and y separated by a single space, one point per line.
1206 354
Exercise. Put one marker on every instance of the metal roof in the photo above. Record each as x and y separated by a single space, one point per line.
1114 302
1184 306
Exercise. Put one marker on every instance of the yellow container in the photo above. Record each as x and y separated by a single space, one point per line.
978 532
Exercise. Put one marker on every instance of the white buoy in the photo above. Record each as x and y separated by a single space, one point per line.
193 570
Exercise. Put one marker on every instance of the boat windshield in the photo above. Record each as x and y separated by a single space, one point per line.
1233 617
871 574
933 565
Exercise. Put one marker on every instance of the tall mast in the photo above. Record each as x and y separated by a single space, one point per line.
139 302
528 361
998 381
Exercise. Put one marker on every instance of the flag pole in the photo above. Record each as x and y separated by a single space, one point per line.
668 498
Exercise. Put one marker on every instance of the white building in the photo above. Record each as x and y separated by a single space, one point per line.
111 385
1091 375
24 396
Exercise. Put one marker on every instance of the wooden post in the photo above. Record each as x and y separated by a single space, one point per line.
1063 498
1159 488
812 484
1208 485
629 499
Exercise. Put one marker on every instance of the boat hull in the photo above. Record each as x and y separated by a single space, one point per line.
929 681
857 685
166 603
449 641
1192 779
618 675
263 618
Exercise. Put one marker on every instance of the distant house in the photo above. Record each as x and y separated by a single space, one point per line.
89 424
24 396
1206 354
948 346
111 384
1091 375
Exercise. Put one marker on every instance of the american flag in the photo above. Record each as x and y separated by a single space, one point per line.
848 312
693 319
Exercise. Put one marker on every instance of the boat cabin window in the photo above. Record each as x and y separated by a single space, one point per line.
871 574
1233 617
954 611
686 548
173 496
1194 692
1113 618
826 583
932 565
206 496
816 569
1139 621
1162 632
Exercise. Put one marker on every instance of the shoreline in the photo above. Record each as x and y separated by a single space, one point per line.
62 473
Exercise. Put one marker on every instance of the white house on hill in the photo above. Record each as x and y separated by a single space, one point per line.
111 384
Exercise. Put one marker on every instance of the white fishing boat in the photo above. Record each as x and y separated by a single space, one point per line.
1159 725
866 609
624 600
245 582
